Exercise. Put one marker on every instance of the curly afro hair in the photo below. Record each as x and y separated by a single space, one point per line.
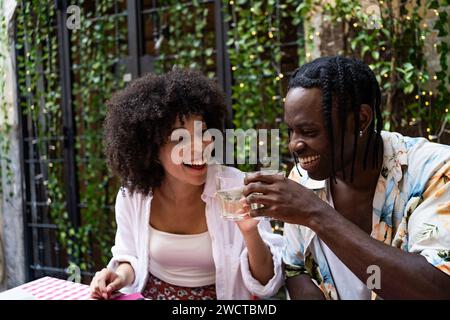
140 119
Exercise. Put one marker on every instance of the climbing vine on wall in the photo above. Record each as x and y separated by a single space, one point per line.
95 51
257 33
399 40
185 39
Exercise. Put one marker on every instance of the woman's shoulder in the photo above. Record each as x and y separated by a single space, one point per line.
129 203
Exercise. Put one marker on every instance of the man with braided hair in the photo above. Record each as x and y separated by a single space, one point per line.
366 212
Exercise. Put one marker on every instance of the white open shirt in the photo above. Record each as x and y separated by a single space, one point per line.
233 277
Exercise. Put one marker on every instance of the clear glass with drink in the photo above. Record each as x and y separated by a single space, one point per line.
229 191
255 206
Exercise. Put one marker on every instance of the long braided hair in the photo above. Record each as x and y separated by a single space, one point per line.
352 83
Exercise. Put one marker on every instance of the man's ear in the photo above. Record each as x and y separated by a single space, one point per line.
365 117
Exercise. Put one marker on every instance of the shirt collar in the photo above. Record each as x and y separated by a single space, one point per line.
305 180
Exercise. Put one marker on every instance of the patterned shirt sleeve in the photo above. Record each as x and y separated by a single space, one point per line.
293 254
429 220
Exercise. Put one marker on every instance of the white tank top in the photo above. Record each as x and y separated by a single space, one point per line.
182 260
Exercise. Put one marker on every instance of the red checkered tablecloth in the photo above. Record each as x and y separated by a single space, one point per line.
49 288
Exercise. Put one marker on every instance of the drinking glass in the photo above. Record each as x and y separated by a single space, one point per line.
255 206
229 191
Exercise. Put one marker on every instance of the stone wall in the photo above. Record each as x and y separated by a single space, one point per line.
11 211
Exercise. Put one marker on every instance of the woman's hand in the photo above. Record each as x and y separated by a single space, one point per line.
283 199
259 255
105 283
248 225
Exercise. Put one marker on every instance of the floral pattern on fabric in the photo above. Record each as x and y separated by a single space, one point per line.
156 289
411 210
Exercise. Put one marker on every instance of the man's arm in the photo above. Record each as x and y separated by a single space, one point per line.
403 275
301 287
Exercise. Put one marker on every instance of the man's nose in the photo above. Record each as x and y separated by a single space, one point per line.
296 146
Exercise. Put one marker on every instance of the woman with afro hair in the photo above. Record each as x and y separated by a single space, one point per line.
171 242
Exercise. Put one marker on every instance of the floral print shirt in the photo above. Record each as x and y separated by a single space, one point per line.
411 210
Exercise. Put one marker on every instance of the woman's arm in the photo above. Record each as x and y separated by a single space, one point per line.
126 272
301 287
259 256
